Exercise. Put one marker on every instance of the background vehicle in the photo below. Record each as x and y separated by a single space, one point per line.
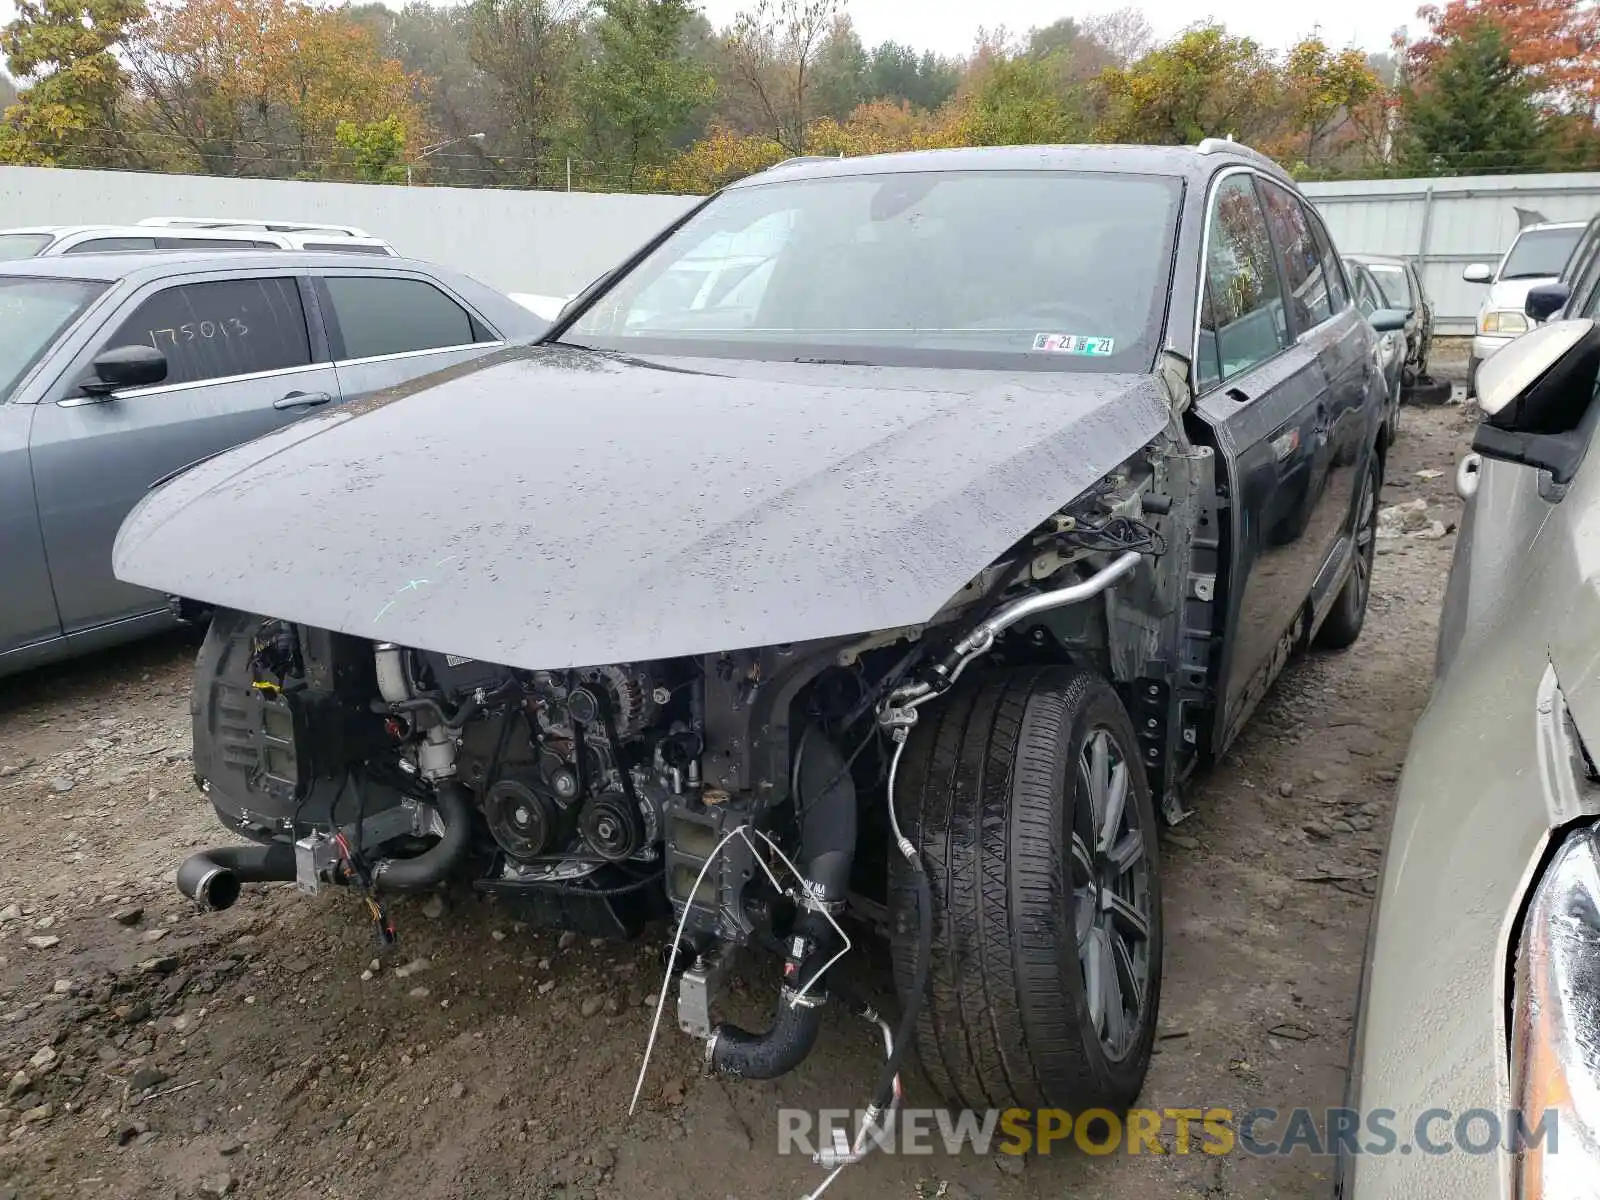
118 369
1391 348
185 233
1536 255
1574 293
1400 284
1483 966
952 567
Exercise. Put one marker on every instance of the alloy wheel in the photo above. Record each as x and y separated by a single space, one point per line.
1112 894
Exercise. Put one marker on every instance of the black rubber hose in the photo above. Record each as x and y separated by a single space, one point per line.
212 877
439 861
827 852
776 1052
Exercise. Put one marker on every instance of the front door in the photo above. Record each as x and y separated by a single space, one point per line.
240 362
1264 393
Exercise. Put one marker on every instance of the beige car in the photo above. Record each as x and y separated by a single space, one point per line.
1478 1039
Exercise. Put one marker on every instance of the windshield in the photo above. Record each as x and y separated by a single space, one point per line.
968 268
22 245
32 312
1391 282
1539 253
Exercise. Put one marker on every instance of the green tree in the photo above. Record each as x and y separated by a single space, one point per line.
896 72
1322 88
378 148
69 113
1021 101
530 50
641 87
1473 111
841 71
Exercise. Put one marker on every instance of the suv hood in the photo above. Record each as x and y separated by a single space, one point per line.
548 507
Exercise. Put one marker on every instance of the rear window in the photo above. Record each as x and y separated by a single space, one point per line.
22 245
1054 269
32 313
375 316
1540 253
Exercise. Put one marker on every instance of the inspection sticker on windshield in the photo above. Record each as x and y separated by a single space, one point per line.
1071 343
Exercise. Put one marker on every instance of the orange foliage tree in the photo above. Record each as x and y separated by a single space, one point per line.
1557 42
260 87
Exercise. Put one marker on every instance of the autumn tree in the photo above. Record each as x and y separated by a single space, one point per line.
640 87
772 53
1124 34
1474 111
1322 88
69 113
1555 44
260 87
1205 83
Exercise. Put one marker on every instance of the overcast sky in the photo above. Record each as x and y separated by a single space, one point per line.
949 26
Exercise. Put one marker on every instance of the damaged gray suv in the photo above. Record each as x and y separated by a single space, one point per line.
885 544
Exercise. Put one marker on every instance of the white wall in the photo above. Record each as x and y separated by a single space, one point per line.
1447 223
545 242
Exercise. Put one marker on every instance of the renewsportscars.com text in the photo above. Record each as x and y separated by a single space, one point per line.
1214 1131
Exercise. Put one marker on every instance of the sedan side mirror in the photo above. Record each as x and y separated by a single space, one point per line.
1478 273
1544 301
125 367
1537 397
1389 320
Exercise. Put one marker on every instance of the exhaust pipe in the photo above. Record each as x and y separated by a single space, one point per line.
212 878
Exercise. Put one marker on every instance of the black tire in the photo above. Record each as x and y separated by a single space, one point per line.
992 794
1343 624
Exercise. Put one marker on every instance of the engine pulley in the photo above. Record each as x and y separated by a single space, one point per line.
613 827
524 818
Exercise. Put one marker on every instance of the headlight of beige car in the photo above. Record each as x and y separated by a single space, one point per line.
1503 321
1555 1026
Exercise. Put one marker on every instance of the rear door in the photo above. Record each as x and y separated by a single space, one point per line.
242 360
387 328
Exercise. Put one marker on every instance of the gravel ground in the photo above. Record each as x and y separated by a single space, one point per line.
155 1052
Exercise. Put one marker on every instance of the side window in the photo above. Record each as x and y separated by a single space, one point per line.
377 316
221 328
1302 261
108 245
1242 318
347 247
1338 294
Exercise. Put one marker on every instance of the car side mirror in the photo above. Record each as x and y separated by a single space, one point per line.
124 367
1535 395
1544 301
1389 320
1478 273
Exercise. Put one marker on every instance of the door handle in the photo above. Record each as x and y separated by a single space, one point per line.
1237 394
302 400
1467 473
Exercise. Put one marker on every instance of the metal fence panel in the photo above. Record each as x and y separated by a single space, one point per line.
1444 224
545 242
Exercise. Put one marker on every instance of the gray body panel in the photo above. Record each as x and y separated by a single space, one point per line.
1485 784
70 471
552 507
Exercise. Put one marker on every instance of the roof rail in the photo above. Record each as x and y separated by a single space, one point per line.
268 226
1227 145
